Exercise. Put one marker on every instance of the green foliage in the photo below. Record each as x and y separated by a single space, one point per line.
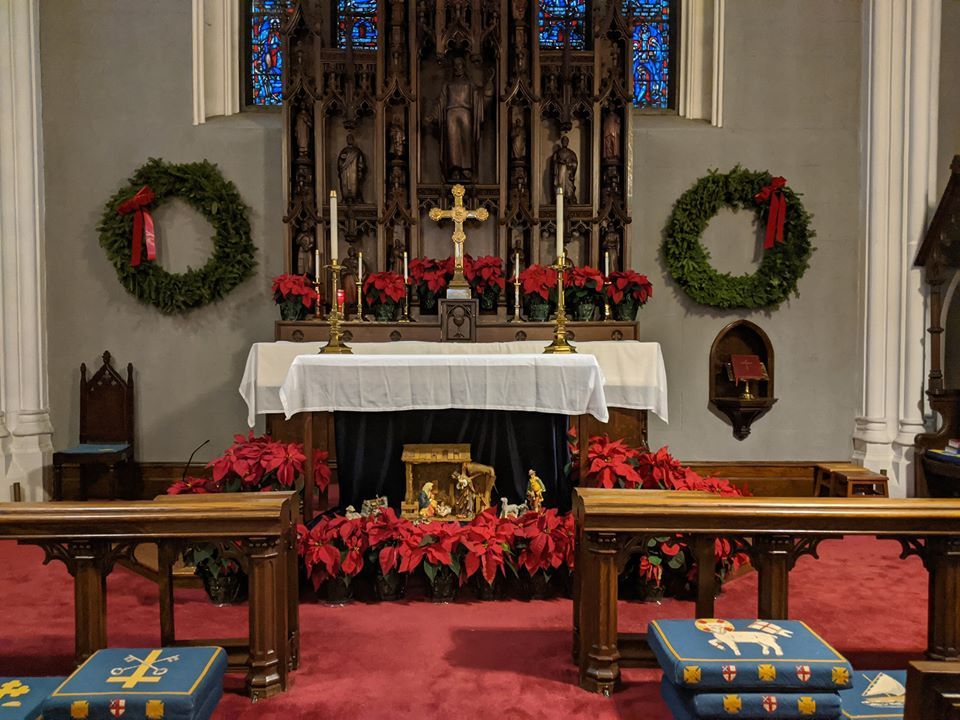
202 187
689 261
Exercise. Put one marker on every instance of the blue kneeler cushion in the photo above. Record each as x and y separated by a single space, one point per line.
875 694
21 698
142 684
716 654
686 704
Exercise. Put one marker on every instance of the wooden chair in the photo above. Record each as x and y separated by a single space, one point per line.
824 477
106 430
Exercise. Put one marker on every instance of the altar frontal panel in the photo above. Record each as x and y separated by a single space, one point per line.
155 684
716 654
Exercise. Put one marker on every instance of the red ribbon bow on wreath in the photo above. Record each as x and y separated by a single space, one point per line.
142 223
778 210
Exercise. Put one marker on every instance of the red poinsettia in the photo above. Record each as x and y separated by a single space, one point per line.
487 545
484 274
545 546
384 534
659 470
428 275
432 545
612 463
582 284
629 284
539 281
294 287
332 548
382 288
191 485
254 464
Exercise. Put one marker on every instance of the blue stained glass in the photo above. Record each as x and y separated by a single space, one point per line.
651 52
266 57
563 22
357 20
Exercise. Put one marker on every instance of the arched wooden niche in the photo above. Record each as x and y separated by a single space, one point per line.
742 350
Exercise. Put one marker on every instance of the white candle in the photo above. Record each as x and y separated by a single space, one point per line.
405 273
316 270
516 266
333 224
360 267
606 263
559 223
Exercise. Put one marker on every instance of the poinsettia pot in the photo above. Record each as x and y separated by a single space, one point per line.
385 312
443 585
538 310
648 591
626 310
428 302
225 588
336 591
392 586
293 309
584 311
489 299
533 587
488 591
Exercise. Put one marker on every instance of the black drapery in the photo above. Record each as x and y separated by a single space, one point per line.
369 446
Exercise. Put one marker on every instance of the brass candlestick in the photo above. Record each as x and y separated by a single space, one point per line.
405 318
335 346
516 303
607 314
359 285
560 344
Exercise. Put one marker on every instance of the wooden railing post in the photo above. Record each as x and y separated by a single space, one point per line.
599 656
266 652
773 555
88 566
706 575
943 619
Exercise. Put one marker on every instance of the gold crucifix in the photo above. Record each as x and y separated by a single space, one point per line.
458 288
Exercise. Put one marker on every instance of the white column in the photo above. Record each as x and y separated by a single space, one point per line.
902 71
23 381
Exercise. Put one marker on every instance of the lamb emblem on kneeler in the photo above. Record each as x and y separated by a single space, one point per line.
762 633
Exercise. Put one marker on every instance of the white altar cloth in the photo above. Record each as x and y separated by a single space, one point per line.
634 373
555 384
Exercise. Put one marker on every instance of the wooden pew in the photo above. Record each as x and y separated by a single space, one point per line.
773 532
90 537
933 691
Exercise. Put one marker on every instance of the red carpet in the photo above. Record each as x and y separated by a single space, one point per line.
470 660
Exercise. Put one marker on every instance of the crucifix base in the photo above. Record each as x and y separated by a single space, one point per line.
458 291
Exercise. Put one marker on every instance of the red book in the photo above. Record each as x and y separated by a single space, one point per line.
747 367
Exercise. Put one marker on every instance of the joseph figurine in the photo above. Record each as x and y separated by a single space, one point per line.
460 116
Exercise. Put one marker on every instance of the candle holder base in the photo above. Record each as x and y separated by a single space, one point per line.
560 346
335 346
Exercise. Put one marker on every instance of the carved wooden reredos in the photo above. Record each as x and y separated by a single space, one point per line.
519 104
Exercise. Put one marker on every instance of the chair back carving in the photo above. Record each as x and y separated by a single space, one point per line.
106 404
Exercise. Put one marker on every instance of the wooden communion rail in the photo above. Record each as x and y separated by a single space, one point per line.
773 532
90 537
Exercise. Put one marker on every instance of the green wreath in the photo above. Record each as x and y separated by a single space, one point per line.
202 187
689 261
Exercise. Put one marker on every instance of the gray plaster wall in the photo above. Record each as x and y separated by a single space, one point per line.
117 89
791 106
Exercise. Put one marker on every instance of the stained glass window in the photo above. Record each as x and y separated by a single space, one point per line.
651 51
264 58
563 22
357 22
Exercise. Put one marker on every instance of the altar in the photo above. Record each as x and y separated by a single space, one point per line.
514 403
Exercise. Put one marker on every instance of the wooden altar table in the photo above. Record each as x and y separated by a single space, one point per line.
774 532
90 537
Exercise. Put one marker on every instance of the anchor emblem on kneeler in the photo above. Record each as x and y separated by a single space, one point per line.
143 671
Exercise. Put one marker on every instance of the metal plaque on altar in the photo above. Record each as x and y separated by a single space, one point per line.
459 293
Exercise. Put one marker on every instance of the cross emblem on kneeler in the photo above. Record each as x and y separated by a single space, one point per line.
459 287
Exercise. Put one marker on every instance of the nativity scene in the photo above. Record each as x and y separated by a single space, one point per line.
494 358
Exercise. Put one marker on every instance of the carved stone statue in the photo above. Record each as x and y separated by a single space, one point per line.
302 132
350 272
611 137
397 246
611 245
352 169
518 138
306 244
397 137
565 170
460 111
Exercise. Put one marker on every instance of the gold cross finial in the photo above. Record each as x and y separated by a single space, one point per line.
459 214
